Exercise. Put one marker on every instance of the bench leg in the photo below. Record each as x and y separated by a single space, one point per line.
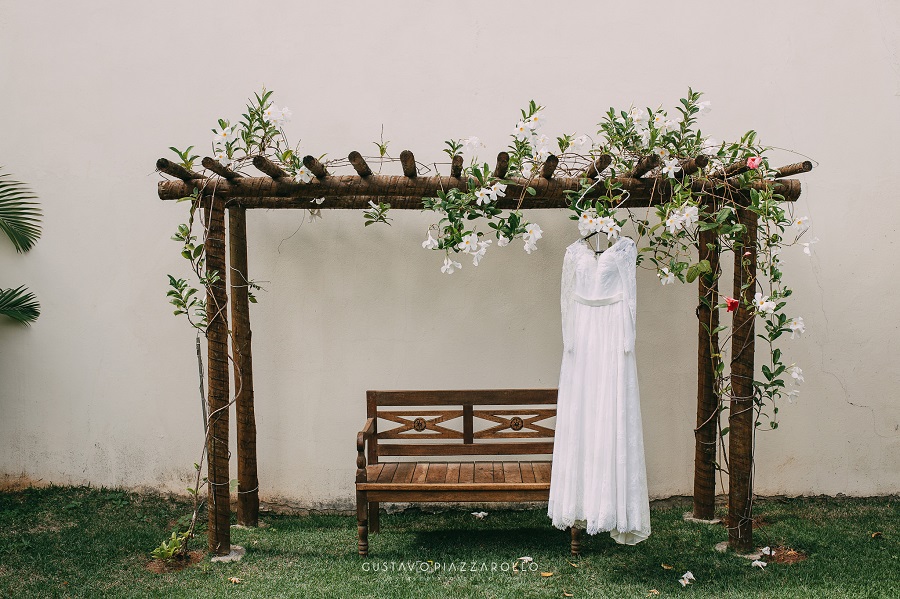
362 521
576 541
374 521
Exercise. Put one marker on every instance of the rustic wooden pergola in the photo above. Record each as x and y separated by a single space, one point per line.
226 190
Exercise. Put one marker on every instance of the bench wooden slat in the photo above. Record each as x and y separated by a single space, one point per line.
452 473
542 472
467 473
462 488
420 473
499 477
387 472
436 473
404 472
511 472
527 472
484 472
456 495
373 471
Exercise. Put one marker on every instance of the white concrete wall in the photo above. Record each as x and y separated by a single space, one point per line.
103 390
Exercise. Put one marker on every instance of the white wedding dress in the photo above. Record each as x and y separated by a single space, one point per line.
598 478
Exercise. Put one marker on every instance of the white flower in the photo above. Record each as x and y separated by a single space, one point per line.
797 326
275 115
470 145
686 578
542 141
759 564
587 222
792 395
468 244
662 152
689 214
222 157
448 268
482 248
665 276
638 117
318 200
303 175
480 515
315 214
704 107
765 550
535 120
796 374
286 114
674 221
671 167
659 120
802 223
431 243
498 190
608 225
645 136
667 125
580 143
521 128
542 153
710 146
763 304
483 196
502 241
532 233
806 248
526 170
223 135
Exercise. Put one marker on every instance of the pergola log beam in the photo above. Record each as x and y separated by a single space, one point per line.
176 170
315 167
644 166
217 167
599 165
502 165
794 169
359 164
549 166
268 167
352 192
692 165
408 162
456 166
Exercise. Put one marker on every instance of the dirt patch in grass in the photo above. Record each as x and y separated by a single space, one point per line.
785 555
158 566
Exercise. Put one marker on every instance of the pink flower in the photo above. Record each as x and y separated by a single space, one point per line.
753 162
731 303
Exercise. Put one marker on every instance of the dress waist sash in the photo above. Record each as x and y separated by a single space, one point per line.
600 301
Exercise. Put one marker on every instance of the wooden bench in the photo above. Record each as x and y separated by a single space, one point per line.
498 426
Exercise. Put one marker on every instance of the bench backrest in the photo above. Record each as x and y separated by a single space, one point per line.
465 422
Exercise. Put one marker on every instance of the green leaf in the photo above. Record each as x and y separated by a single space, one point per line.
19 304
20 218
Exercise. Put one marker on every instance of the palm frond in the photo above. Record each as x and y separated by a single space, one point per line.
20 218
19 304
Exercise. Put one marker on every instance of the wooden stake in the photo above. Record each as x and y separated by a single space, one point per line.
219 535
741 405
248 481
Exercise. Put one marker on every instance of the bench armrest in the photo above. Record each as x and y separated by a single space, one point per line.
367 432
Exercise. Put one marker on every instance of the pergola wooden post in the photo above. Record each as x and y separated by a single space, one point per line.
276 190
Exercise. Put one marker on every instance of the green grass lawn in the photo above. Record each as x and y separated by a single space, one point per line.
84 542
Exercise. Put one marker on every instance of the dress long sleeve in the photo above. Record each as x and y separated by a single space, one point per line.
567 287
625 255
